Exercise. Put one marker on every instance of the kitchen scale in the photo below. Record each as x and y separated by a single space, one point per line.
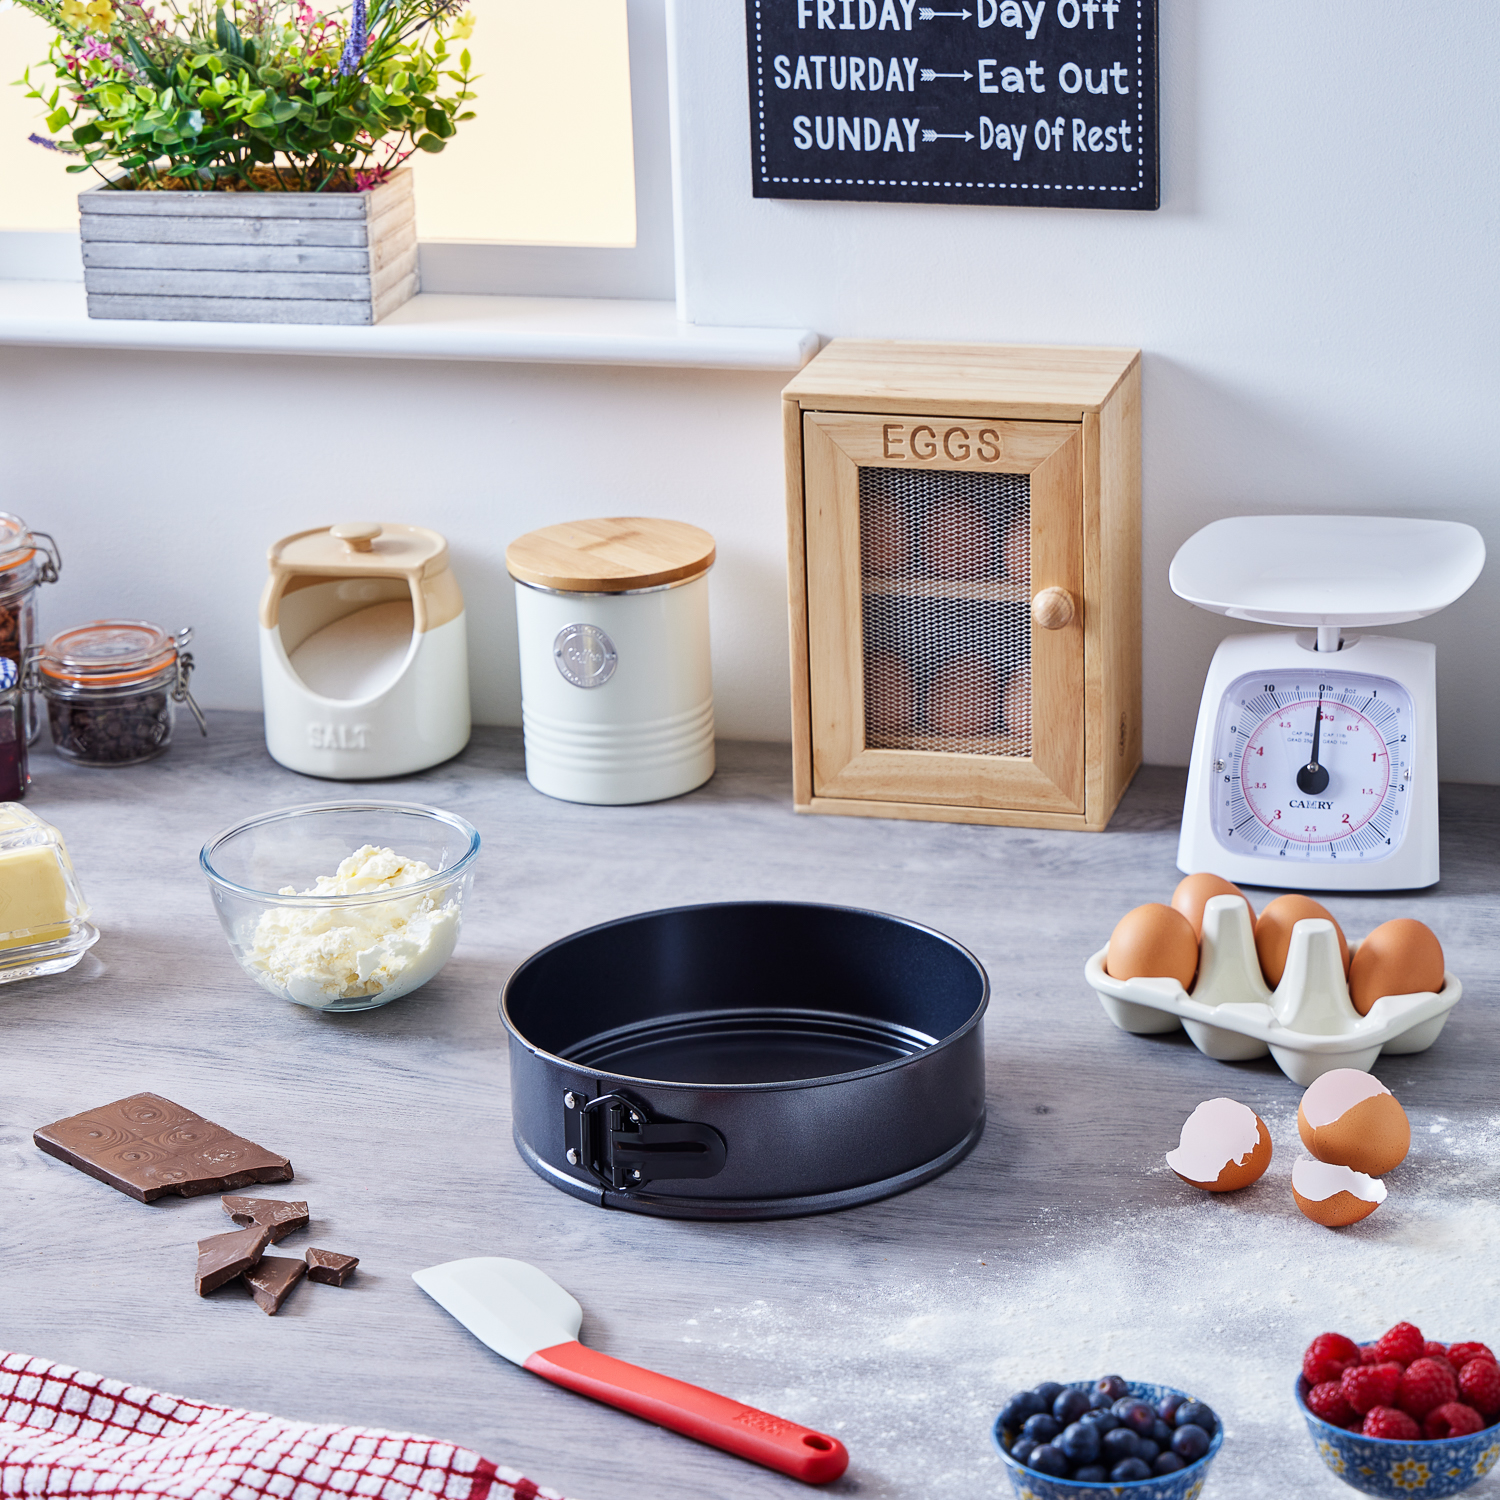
1315 757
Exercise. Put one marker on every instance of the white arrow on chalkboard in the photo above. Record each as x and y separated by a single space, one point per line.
933 135
926 13
928 76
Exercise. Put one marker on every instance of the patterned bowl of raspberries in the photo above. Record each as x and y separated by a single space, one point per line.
1405 1415
1106 1439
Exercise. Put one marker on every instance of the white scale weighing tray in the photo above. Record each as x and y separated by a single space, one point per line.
1315 757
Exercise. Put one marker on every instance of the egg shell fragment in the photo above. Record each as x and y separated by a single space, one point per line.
1401 957
1273 933
1334 1196
1350 1119
1153 942
1193 893
1225 1146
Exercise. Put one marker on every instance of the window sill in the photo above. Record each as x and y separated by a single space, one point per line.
543 330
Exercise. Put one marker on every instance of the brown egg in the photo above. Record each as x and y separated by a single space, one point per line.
1192 894
1273 933
958 540
1015 550
1350 1119
1402 957
1153 942
1017 708
884 539
1334 1196
964 697
890 694
1225 1146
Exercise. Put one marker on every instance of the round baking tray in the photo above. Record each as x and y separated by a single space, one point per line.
746 1060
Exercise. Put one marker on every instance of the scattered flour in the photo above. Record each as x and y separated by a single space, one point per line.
1218 1295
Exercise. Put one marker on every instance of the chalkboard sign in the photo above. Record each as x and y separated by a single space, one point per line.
1047 103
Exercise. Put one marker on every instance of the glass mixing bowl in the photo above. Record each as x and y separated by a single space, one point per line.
352 950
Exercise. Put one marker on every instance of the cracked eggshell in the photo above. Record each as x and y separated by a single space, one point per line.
1334 1196
1351 1119
1402 957
1192 894
1153 942
1273 933
1224 1146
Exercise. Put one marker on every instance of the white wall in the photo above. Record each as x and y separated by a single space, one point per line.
1316 298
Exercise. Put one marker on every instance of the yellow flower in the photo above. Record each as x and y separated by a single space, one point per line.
1487 1460
1410 1475
1331 1456
73 12
463 27
100 13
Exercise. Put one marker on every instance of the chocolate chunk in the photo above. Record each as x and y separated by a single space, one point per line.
272 1280
222 1257
146 1146
280 1217
329 1267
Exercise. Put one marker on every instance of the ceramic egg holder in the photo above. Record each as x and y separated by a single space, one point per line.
1307 1023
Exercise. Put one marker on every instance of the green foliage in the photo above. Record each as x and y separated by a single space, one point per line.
252 94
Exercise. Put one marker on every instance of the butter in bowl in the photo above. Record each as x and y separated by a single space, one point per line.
342 906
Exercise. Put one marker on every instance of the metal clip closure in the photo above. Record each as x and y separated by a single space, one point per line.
180 692
624 1146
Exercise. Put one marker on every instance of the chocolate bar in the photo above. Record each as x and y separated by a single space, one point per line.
146 1146
279 1216
222 1257
272 1279
329 1267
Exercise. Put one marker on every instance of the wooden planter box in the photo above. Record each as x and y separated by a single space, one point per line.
250 257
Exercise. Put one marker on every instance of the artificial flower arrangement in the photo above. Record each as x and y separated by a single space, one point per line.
257 95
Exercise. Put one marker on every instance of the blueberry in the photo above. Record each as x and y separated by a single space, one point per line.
1041 1428
1138 1415
1127 1469
1047 1392
1080 1441
1161 1434
1070 1406
1020 1450
1050 1460
1090 1474
1020 1406
1190 1442
1105 1421
1112 1386
1100 1400
1146 1450
1166 1408
1198 1414
1118 1443
1167 1463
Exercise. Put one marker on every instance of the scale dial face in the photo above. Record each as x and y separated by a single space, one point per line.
1313 765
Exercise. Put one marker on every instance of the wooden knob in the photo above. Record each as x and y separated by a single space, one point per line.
357 536
1053 608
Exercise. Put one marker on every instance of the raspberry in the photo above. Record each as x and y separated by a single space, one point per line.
1327 1356
1370 1355
1367 1386
1460 1354
1403 1343
1326 1400
1426 1385
1452 1419
1388 1422
1479 1385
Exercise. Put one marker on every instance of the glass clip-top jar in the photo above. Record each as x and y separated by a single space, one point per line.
28 559
112 689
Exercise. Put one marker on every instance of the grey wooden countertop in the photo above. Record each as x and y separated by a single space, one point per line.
1061 1247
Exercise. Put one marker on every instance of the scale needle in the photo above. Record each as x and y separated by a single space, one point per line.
1313 778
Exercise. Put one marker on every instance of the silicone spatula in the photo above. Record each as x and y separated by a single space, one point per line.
522 1314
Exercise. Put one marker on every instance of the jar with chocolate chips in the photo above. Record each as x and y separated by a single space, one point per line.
112 688
28 559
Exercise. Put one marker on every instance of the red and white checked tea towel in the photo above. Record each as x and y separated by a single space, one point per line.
66 1432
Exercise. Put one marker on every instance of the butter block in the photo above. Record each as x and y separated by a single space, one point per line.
33 896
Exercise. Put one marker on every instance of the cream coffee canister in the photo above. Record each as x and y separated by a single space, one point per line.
364 660
617 697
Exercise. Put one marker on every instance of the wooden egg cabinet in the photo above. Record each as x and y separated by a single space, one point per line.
964 564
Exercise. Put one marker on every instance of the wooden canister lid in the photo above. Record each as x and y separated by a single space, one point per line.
610 556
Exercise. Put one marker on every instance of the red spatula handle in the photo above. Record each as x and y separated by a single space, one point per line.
812 1457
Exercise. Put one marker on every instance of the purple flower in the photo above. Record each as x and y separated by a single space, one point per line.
41 140
359 39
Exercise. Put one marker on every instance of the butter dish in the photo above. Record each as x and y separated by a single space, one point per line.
44 926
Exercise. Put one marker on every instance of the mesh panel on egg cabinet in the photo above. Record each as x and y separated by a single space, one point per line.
945 562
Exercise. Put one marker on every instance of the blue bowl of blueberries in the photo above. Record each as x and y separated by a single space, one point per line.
1106 1437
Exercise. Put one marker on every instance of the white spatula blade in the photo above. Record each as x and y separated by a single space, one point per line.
507 1304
